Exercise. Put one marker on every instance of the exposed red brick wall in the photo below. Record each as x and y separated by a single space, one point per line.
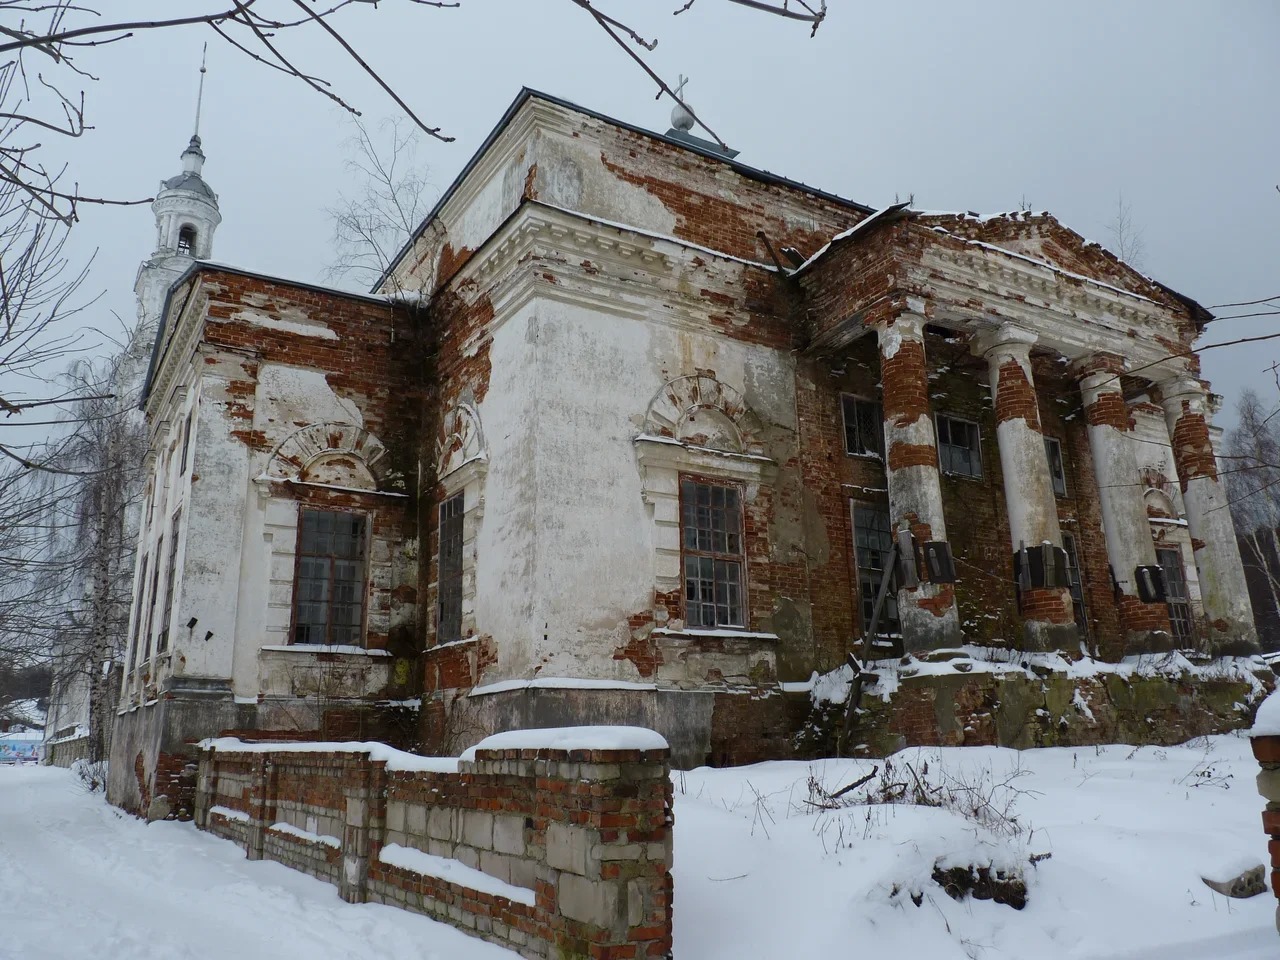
1192 448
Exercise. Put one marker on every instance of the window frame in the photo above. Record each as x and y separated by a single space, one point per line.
458 577
298 555
171 576
977 451
853 399
891 597
1053 443
1183 624
188 237
740 558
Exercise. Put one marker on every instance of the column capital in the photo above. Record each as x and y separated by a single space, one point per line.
908 324
1012 338
1181 387
1110 365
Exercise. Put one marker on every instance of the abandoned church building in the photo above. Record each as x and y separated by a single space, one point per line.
631 432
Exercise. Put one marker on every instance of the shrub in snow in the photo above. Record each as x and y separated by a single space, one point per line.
91 776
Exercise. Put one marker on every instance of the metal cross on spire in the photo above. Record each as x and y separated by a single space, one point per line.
200 95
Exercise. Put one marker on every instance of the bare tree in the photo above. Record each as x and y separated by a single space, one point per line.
371 224
1126 236
36 103
1253 487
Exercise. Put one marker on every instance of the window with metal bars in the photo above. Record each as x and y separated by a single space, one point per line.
1076 585
1176 594
959 447
449 604
329 590
712 554
872 540
863 427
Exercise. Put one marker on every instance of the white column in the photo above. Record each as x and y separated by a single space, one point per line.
927 612
1223 590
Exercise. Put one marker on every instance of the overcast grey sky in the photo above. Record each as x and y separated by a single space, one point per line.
968 106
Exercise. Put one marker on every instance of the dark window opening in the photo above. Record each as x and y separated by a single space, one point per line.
187 241
959 447
873 539
1076 585
186 443
171 574
1053 451
151 605
1176 594
863 427
449 622
713 556
329 595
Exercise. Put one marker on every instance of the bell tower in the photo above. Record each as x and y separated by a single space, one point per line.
186 212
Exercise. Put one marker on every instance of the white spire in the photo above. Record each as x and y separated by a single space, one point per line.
193 156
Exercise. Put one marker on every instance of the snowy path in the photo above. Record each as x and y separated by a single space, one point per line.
79 880
759 874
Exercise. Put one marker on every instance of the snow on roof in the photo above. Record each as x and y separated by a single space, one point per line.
862 226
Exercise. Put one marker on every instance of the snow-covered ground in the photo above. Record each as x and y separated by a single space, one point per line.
760 873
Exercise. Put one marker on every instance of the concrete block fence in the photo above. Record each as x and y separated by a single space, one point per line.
1266 749
553 852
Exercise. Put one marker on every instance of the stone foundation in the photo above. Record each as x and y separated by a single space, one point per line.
1034 705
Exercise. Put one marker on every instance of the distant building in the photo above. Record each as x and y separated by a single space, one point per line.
628 433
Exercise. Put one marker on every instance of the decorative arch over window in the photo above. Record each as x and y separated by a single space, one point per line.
701 411
462 463
333 454
699 428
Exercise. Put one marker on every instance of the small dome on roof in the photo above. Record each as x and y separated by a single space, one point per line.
192 182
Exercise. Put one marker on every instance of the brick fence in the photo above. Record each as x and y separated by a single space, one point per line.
550 851
1267 751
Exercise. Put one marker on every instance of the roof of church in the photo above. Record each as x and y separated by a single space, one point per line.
690 144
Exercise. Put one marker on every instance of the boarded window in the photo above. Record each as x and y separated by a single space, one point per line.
1076 584
712 553
863 427
329 592
959 447
449 622
873 539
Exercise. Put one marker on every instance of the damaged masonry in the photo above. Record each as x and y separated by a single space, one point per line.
611 461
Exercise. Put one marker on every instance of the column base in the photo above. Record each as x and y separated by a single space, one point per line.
1227 639
929 618
1047 620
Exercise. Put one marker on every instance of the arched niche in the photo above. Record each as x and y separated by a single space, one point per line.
701 411
332 454
462 441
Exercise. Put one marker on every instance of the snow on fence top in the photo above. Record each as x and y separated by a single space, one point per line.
550 738
394 759
572 738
